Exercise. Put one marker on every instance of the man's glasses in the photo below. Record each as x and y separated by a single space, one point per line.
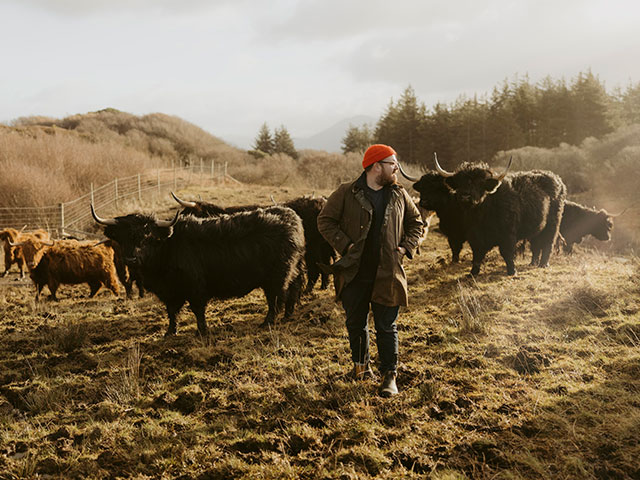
389 163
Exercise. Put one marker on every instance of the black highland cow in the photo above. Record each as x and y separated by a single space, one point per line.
317 249
435 195
193 259
579 221
501 210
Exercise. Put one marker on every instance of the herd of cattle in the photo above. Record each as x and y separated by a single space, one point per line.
208 251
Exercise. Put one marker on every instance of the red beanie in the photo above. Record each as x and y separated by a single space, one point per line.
375 153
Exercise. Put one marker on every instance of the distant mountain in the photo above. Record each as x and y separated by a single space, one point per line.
330 139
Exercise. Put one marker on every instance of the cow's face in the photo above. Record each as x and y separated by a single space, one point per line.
472 186
602 226
434 192
138 235
32 250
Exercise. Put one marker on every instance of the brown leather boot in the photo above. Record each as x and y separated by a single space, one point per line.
362 372
388 386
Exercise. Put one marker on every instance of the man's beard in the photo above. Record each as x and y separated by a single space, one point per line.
384 179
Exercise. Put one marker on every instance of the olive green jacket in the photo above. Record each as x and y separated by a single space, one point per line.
345 221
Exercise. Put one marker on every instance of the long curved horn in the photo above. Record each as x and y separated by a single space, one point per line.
504 174
101 242
168 223
11 244
406 175
184 203
441 170
102 221
618 214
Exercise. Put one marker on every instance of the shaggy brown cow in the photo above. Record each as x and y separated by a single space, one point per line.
11 252
579 221
70 262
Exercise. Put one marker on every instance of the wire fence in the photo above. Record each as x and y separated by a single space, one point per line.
74 217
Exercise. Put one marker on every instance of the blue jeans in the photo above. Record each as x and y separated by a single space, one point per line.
356 299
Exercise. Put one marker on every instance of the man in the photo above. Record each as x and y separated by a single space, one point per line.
373 223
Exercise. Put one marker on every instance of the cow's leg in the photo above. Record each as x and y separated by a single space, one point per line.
20 263
535 251
53 288
94 287
551 231
508 252
274 300
172 310
293 295
313 272
198 308
324 281
39 287
478 257
455 246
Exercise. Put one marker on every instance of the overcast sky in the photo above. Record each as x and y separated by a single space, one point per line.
230 65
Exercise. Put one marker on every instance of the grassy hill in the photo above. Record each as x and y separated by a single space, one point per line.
46 161
531 377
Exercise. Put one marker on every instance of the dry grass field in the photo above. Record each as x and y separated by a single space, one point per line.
531 377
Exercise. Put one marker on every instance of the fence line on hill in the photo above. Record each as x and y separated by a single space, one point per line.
74 217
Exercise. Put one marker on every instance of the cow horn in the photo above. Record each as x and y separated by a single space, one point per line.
504 174
273 200
102 242
405 175
11 244
618 214
184 203
168 223
102 221
441 170
50 243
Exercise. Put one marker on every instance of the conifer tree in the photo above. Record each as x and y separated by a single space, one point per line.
357 139
264 142
283 143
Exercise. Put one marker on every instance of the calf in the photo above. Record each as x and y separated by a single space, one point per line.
53 263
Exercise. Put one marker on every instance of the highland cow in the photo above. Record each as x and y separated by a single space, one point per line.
12 255
579 221
58 262
193 259
501 210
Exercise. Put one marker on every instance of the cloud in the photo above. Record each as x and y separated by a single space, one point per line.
84 7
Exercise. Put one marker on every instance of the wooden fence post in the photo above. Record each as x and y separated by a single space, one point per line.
213 169
225 171
175 180
201 166
62 219
93 200
139 190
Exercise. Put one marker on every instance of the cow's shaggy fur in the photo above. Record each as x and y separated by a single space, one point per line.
524 206
72 262
224 256
12 254
317 249
579 221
